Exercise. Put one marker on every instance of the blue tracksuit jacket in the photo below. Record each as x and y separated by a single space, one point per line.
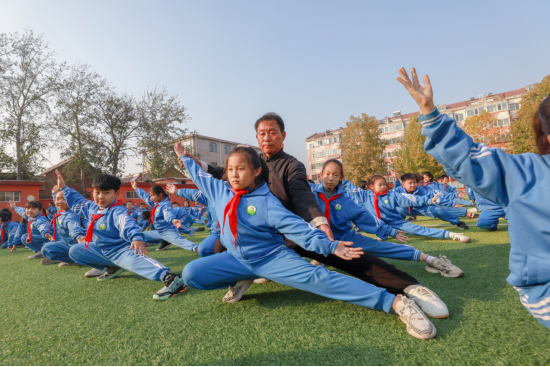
197 195
261 219
388 204
113 230
69 228
444 200
163 215
515 182
470 193
40 226
344 210
10 231
134 213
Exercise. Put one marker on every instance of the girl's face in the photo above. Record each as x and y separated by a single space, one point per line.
379 185
32 212
426 178
156 197
60 201
186 204
331 176
239 174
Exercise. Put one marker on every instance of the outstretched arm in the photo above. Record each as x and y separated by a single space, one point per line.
78 203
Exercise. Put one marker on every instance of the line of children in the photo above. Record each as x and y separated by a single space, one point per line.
515 182
457 210
253 225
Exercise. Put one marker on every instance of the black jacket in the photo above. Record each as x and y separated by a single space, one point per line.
288 182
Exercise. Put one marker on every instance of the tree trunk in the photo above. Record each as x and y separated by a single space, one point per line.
80 163
18 147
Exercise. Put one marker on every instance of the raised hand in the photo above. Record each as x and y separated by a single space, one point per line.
12 204
60 180
435 199
344 251
55 189
134 184
423 96
171 189
179 149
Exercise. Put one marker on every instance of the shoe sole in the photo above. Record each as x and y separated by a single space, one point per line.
114 275
63 264
168 296
435 271
436 317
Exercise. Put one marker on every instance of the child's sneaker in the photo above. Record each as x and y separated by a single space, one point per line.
63 264
192 232
46 261
445 267
261 281
110 273
471 210
237 292
164 245
417 323
173 286
38 255
429 302
93 272
472 215
459 237
462 225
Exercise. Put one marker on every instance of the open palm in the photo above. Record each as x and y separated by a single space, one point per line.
422 95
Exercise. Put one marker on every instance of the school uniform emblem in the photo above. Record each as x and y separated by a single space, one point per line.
59 221
338 207
251 210
32 226
386 202
102 226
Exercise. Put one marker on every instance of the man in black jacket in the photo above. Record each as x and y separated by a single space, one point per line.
288 182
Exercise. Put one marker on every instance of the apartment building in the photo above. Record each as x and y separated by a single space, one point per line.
323 146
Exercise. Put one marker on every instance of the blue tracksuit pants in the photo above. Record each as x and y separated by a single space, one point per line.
206 248
431 211
58 251
142 224
121 257
184 229
419 230
389 250
35 245
536 300
459 212
488 219
171 235
462 202
5 243
288 268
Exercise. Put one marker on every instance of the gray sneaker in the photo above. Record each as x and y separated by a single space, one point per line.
38 255
93 272
429 302
445 267
418 325
46 261
237 292
110 273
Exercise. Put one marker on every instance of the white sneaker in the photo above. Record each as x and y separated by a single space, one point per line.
429 302
418 325
261 281
459 237
471 210
317 263
237 292
63 264
93 272
445 267
47 261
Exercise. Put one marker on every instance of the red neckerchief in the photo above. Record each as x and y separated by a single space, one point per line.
3 230
152 220
376 209
55 222
427 183
29 229
90 230
231 208
327 205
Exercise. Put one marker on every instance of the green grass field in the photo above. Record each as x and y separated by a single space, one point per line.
56 316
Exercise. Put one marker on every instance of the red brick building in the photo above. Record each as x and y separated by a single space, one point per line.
20 192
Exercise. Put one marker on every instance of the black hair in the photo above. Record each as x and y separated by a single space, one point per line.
376 177
129 201
442 177
146 215
254 162
140 204
174 202
419 177
5 215
157 189
541 125
335 161
408 176
106 182
269 117
52 204
37 205
364 185
429 174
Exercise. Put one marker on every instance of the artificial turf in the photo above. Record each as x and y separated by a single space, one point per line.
56 316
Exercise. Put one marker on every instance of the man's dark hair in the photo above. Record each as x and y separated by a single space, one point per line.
268 117
408 176
5 215
106 182
146 215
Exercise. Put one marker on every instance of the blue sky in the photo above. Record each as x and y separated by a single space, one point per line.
313 62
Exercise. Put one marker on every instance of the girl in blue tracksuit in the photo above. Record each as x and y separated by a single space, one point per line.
437 188
162 219
384 203
52 211
8 228
185 221
490 213
515 182
206 248
38 226
253 223
66 225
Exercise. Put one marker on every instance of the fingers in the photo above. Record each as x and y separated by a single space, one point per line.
400 231
427 80
346 243
416 83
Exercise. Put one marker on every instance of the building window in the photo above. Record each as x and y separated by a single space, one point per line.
442 108
227 149
10 195
475 111
214 164
132 195
514 106
459 117
311 146
214 147
314 177
320 142
503 122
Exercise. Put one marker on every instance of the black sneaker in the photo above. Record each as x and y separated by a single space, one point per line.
411 219
493 229
200 229
110 273
462 225
164 245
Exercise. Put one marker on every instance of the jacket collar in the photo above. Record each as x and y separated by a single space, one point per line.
279 155
254 191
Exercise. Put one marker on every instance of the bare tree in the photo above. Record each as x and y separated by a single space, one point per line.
30 77
161 118
75 98
115 131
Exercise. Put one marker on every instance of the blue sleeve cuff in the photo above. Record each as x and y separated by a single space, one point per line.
430 119
138 238
333 247
394 233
